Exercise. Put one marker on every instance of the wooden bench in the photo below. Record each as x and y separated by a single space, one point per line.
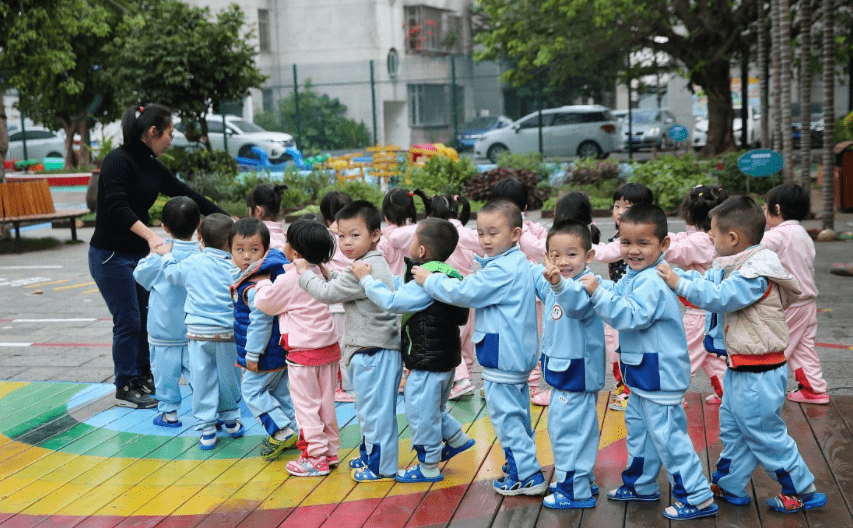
31 201
70 214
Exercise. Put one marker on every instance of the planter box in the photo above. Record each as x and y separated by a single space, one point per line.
53 180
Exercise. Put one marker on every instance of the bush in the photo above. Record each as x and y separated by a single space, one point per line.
442 175
358 190
733 180
588 170
527 162
671 177
480 188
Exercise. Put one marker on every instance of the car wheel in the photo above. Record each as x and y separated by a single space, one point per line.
54 155
495 152
589 149
246 152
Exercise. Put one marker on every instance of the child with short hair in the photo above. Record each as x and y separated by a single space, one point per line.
505 335
624 197
572 363
264 203
167 332
209 310
693 249
372 351
431 349
746 293
308 333
656 366
259 344
784 207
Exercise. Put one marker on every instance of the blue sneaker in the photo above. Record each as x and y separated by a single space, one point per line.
207 442
448 451
533 485
235 429
365 475
161 421
683 512
414 475
793 503
558 501
720 493
622 493
357 463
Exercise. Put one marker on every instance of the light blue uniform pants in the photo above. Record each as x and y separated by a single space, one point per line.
509 410
657 434
573 429
267 396
426 399
216 383
376 378
167 365
753 432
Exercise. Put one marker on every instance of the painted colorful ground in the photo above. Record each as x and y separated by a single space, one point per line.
69 457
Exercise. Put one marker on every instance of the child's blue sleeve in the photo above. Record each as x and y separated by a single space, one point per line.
635 311
730 295
540 283
572 297
486 287
176 272
260 329
148 270
408 297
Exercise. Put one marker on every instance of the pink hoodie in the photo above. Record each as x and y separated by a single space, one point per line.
394 245
691 250
796 251
462 258
277 235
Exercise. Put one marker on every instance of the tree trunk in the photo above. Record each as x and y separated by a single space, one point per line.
828 216
714 78
70 129
763 77
806 92
785 66
4 137
775 75
85 143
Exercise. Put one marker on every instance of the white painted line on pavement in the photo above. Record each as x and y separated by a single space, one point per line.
15 344
57 266
53 320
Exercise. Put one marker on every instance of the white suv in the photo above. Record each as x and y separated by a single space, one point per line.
242 137
587 131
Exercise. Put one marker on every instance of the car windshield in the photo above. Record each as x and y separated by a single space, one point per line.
816 109
644 116
481 122
245 126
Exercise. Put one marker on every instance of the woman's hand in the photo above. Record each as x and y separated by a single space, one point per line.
154 242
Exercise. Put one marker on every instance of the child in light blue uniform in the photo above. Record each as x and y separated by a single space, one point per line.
747 292
265 384
167 332
502 294
209 310
656 366
431 349
573 356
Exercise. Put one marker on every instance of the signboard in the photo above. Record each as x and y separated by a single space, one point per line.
678 133
760 163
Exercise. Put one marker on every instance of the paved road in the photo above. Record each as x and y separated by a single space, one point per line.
54 324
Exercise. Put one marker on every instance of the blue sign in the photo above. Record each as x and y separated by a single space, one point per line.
678 133
760 163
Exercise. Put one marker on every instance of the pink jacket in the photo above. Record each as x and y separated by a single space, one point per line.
394 245
796 251
277 235
691 250
462 259
305 321
608 251
532 241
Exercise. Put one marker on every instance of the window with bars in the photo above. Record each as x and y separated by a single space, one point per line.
432 104
264 30
424 29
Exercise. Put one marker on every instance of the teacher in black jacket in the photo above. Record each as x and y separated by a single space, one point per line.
131 178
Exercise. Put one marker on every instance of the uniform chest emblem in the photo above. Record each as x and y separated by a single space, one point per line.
556 312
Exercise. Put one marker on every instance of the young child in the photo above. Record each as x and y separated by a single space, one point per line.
398 209
505 335
784 206
693 249
259 344
431 350
372 351
656 366
625 196
264 203
209 310
746 293
573 366
167 332
309 334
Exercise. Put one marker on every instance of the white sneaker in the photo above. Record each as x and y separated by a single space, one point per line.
463 387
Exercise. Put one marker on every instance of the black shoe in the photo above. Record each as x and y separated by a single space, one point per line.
133 395
146 382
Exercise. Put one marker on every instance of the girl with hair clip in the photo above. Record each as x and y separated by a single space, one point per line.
398 209
264 203
457 211
694 250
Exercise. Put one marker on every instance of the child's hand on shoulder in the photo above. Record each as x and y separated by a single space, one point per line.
420 275
668 275
262 276
252 365
360 269
590 283
301 265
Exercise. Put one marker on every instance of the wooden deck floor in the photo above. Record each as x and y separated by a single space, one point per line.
68 457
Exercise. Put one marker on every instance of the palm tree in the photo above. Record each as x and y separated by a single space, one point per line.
806 91
828 216
783 12
775 74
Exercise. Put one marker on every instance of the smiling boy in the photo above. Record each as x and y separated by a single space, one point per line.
656 366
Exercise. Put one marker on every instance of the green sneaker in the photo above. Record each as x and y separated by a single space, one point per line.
272 448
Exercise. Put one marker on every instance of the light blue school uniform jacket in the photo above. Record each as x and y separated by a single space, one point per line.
572 335
166 325
505 329
652 344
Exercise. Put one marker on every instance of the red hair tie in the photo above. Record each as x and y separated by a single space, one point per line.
411 194
141 109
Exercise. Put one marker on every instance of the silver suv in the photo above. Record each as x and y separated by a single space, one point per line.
242 137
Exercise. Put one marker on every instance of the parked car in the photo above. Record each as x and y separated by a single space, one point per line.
587 131
242 136
648 129
753 129
815 124
475 128
41 143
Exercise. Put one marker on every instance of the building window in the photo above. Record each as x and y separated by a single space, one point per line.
264 29
267 100
432 104
424 29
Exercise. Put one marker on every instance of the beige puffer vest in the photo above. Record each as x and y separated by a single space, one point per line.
759 328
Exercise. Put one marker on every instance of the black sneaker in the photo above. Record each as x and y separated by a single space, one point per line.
133 395
146 382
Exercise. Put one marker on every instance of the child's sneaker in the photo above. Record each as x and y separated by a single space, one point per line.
448 451
619 399
558 501
342 396
332 460
357 463
162 420
533 485
683 512
235 428
414 474
623 493
365 475
463 387
272 448
207 442
541 398
720 493
793 503
308 466
713 399
804 395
